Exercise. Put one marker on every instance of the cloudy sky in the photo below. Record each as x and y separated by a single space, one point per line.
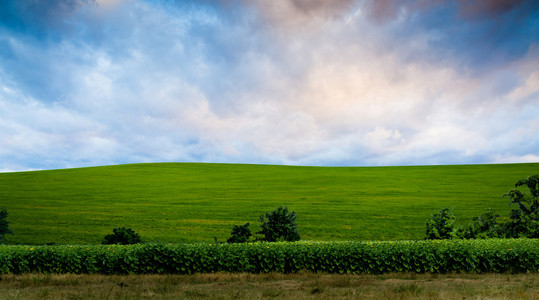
299 82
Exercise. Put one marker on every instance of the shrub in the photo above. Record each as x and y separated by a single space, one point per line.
520 226
440 225
123 236
4 224
240 234
523 222
435 256
484 226
279 225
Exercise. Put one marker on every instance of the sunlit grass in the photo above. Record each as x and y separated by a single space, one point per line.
179 202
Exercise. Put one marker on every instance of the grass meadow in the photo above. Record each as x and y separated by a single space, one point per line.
192 202
271 286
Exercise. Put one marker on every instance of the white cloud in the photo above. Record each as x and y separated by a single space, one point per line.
527 158
141 83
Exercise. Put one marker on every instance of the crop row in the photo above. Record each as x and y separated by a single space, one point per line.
440 256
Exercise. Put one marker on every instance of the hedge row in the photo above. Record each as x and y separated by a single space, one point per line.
440 256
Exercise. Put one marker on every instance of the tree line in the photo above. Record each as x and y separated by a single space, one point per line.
521 222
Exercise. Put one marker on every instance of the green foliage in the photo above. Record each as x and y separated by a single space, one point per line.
428 256
521 226
528 203
484 226
4 224
441 225
279 225
240 234
122 236
524 220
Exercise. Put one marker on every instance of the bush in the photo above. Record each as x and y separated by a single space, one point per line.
484 226
520 226
279 225
4 225
523 222
240 234
123 236
440 225
439 256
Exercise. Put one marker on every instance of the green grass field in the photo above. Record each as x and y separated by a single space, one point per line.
189 202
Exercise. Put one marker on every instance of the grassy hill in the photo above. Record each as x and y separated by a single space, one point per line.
190 202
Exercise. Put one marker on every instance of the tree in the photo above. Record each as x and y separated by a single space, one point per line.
240 234
279 225
484 226
520 226
440 225
524 220
4 224
528 203
123 236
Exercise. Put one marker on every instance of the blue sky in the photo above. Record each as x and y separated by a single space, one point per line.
341 83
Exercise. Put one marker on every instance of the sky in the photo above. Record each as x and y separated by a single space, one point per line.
292 82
